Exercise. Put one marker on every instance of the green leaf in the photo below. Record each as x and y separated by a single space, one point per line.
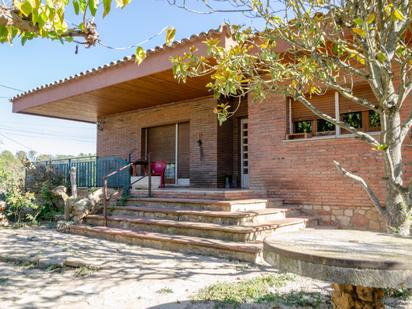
83 5
26 8
382 147
358 21
93 7
170 35
23 40
140 55
76 6
381 57
107 5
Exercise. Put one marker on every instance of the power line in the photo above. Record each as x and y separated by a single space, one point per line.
74 126
11 88
54 137
13 140
63 135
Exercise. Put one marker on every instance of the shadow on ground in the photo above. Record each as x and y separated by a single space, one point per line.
119 264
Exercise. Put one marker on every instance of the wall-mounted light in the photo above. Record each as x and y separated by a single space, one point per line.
200 144
100 125
199 139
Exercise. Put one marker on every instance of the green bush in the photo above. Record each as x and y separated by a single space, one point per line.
21 206
41 180
32 201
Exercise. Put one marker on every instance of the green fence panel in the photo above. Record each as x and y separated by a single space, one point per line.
90 171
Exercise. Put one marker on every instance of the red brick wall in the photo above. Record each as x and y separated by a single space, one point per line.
302 172
121 134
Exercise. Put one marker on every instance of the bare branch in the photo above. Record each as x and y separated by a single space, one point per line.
382 210
349 95
405 86
9 17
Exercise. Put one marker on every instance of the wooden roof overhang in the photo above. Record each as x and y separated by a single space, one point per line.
119 86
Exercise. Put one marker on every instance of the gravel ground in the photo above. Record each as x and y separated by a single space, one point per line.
113 275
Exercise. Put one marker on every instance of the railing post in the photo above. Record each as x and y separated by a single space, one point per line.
105 195
150 174
69 168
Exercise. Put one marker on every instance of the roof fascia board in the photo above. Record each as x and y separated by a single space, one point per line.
156 62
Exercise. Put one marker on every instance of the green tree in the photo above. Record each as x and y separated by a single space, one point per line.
21 156
30 201
29 19
310 46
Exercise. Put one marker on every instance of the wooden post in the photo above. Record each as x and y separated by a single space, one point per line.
106 198
314 127
73 182
365 121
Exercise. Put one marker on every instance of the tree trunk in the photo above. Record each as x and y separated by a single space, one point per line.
397 198
398 220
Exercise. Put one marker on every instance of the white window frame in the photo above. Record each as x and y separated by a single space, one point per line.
337 113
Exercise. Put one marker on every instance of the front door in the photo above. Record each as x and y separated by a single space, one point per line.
244 153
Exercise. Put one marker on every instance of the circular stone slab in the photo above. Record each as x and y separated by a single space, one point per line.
362 258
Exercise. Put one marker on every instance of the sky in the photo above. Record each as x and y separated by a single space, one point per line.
41 61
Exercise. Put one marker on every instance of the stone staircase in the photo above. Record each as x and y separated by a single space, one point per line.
230 224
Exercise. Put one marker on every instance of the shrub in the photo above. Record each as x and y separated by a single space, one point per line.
41 180
29 201
21 206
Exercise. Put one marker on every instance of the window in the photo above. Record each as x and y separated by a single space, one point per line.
325 127
354 119
374 120
304 124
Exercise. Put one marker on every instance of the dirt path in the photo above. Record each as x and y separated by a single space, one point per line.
121 276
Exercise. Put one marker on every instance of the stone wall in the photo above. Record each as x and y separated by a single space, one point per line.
356 217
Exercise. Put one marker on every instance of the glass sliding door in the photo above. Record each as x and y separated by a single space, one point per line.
170 143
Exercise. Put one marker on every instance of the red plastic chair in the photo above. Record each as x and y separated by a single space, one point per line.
158 169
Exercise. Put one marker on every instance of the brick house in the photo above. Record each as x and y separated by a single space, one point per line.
264 148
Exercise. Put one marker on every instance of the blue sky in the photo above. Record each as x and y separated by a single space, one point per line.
41 61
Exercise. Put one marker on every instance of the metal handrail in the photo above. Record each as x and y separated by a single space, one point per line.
67 159
106 182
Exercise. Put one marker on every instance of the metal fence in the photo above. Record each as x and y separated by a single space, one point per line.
91 170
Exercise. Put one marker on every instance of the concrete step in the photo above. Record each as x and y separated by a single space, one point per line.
249 252
197 204
208 216
194 193
242 233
